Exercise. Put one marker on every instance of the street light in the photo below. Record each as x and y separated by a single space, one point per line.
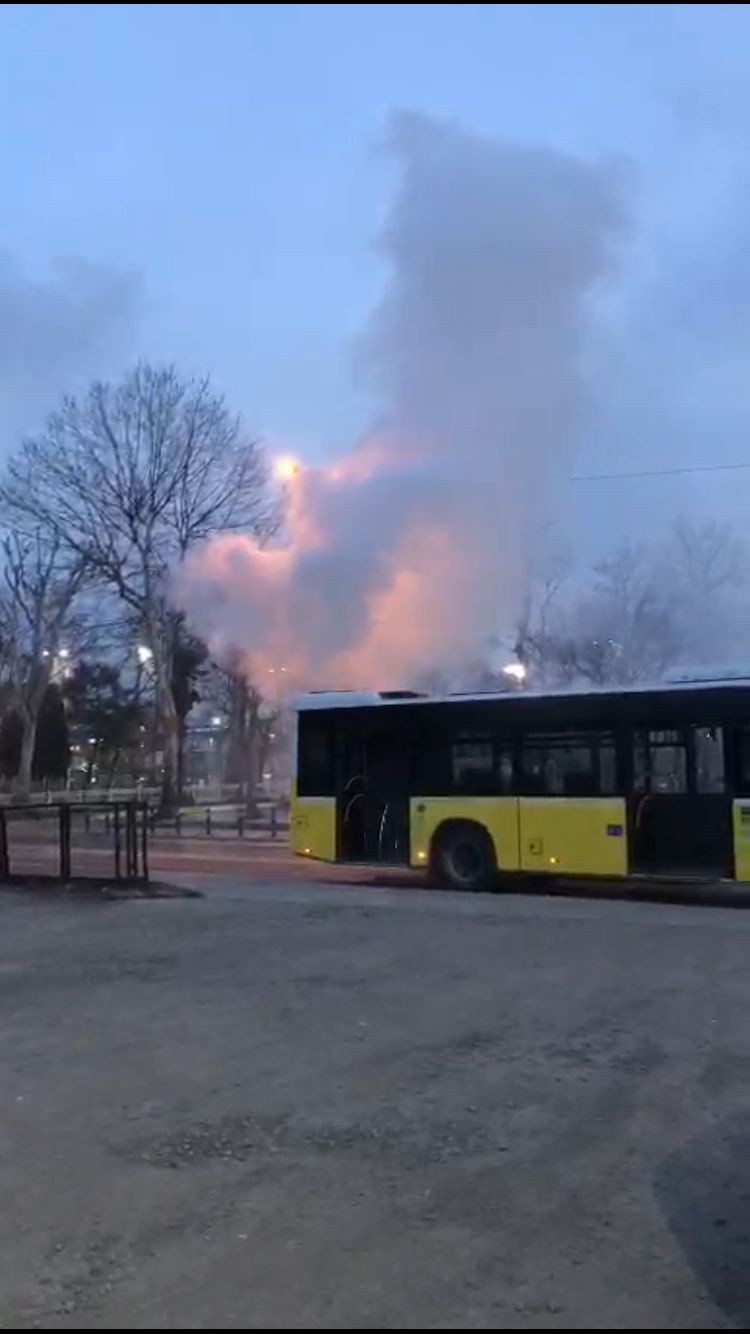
145 654
515 671
286 468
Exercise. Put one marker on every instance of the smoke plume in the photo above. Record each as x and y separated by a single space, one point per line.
412 550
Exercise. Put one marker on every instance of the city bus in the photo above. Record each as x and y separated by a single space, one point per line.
477 788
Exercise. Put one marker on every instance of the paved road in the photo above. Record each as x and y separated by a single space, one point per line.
307 1106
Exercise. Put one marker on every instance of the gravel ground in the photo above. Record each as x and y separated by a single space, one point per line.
309 1106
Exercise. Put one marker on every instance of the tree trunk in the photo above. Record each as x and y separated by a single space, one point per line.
262 752
180 761
114 763
171 735
28 742
168 722
29 706
169 725
252 755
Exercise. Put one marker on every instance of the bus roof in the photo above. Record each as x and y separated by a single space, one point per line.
363 699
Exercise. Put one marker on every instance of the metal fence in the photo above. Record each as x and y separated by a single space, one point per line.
270 821
69 840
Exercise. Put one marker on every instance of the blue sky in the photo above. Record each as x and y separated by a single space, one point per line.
225 159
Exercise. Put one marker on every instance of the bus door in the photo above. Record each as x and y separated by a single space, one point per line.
373 800
387 788
680 813
351 798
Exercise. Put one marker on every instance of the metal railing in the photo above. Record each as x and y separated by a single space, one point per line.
37 842
270 821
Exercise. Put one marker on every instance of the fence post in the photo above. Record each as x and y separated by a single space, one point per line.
240 825
4 861
131 846
144 843
178 822
208 820
118 865
64 816
127 841
274 822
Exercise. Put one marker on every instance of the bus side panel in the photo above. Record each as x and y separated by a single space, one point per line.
313 827
574 835
741 838
498 815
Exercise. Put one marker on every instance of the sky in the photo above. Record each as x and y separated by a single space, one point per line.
206 184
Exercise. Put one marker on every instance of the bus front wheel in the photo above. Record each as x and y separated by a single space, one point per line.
464 857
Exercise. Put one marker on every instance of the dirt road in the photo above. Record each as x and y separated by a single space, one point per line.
305 1106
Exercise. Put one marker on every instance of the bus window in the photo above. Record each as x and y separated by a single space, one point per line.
608 768
744 758
505 768
482 767
668 769
472 765
561 764
708 749
316 776
660 762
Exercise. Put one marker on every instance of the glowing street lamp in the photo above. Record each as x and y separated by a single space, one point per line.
286 468
145 654
516 672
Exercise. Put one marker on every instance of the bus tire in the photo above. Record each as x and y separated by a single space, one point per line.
463 856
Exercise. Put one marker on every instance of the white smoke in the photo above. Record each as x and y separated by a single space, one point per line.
412 550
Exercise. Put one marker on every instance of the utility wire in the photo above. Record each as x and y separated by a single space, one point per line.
659 472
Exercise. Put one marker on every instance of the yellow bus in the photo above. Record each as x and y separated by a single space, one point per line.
641 781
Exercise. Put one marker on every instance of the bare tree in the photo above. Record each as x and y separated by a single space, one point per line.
704 566
628 627
621 627
249 725
543 642
709 555
42 582
133 476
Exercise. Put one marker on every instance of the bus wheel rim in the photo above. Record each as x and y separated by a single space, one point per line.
466 861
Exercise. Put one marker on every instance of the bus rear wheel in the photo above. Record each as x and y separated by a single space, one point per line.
464 857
